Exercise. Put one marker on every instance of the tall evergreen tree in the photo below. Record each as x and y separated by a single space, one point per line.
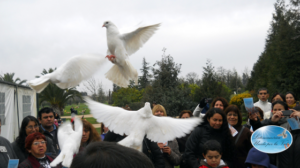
144 80
210 86
278 66
166 89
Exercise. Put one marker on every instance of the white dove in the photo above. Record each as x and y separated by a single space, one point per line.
69 142
120 46
71 73
283 134
137 124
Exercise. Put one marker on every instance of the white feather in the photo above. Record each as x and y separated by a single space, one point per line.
71 73
137 124
121 75
122 46
69 142
136 39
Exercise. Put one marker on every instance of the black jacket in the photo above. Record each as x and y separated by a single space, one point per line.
54 140
181 143
149 148
194 145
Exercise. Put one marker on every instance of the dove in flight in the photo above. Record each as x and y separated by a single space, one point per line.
137 124
71 73
120 46
69 142
283 134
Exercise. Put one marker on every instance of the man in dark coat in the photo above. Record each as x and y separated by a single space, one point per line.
46 118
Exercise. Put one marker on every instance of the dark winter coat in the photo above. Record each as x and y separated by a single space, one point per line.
290 157
242 146
151 149
22 155
32 162
174 158
181 144
6 152
53 138
194 145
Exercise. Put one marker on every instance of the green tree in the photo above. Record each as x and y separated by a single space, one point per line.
125 96
101 96
211 86
9 77
144 80
56 96
278 66
166 88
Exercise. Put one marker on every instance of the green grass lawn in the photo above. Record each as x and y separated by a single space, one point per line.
90 120
82 106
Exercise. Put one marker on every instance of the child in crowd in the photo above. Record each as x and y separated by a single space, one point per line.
257 159
212 152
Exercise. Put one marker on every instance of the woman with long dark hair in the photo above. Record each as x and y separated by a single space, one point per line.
214 127
29 125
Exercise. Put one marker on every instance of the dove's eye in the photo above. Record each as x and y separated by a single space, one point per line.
106 23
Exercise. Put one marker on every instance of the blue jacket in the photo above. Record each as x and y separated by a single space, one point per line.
258 158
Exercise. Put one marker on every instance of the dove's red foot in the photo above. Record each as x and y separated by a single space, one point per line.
111 58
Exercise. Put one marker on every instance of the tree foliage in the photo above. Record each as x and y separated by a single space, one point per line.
9 77
278 65
166 88
125 96
211 85
144 80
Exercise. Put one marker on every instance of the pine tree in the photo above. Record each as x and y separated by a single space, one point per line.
166 88
210 86
278 66
144 80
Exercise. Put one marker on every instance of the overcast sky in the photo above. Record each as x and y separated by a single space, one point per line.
44 34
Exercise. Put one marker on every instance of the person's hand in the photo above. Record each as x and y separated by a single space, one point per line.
277 116
160 145
295 113
202 103
167 150
253 116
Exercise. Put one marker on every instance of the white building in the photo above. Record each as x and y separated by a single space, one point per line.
16 102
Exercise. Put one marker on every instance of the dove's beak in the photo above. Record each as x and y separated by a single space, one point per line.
103 25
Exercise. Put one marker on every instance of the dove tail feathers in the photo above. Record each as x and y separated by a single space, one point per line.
121 75
39 84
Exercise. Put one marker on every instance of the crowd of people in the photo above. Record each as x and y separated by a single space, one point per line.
211 144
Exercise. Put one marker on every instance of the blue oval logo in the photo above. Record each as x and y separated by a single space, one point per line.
271 139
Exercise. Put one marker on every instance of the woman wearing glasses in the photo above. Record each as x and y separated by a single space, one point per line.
29 125
242 136
35 144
